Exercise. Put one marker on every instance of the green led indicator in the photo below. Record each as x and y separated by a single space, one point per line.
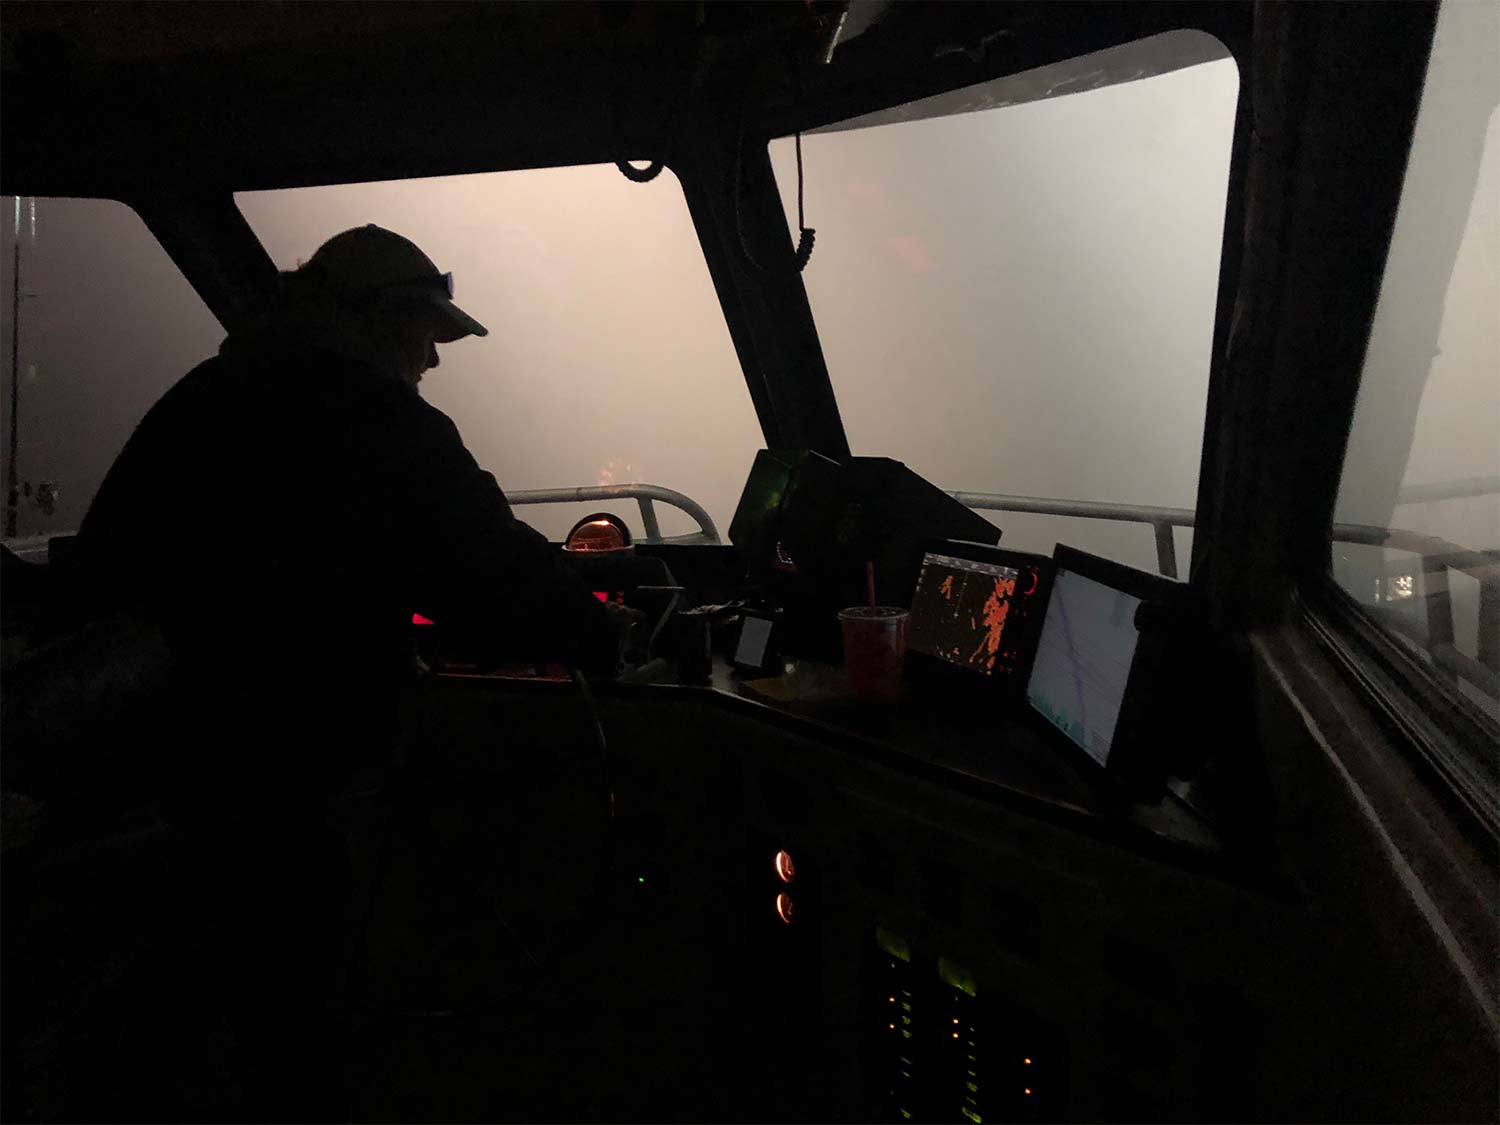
957 978
640 878
894 945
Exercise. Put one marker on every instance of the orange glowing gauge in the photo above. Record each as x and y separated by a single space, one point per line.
784 907
786 870
596 533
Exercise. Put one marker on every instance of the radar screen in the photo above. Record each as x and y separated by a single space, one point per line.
979 613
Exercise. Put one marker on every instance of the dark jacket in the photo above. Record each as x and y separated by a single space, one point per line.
284 498
284 510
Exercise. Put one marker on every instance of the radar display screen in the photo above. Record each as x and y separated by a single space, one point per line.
979 614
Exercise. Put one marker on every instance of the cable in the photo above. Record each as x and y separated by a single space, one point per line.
805 234
640 175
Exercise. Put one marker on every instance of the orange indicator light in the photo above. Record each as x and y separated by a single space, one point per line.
955 1035
786 870
1028 1091
1026 1061
893 1027
784 907
955 1022
892 999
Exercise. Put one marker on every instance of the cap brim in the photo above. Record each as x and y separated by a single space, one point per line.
457 323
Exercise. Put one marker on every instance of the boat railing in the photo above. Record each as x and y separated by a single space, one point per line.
646 496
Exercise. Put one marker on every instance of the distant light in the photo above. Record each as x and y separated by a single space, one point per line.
418 619
955 1035
784 907
1028 1091
1026 1061
642 879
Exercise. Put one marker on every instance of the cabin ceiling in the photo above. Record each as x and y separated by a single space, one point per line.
129 99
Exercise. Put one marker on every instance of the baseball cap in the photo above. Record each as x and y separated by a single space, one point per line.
376 261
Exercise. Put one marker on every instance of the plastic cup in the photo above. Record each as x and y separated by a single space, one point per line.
874 650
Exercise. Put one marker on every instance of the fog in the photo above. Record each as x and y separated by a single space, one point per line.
107 324
1429 402
1016 300
1428 413
1021 300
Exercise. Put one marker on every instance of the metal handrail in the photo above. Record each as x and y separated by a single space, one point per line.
1466 489
645 495
1479 564
1161 520
1438 557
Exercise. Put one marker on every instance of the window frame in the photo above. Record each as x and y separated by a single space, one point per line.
1449 739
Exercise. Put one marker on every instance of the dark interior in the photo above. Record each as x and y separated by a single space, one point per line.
551 927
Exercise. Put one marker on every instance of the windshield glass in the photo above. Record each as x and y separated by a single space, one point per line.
1416 538
1020 300
608 359
102 325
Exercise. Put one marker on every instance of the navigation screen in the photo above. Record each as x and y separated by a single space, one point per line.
973 614
1083 661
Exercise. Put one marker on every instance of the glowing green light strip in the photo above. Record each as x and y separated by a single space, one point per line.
892 944
956 977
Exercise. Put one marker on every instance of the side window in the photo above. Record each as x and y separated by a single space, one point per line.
103 324
1016 290
1417 534
608 359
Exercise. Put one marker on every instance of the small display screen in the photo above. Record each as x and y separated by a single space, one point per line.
1083 660
974 613
754 633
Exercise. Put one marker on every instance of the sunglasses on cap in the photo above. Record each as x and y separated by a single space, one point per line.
441 285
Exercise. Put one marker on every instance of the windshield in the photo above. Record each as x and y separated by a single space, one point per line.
1021 300
608 359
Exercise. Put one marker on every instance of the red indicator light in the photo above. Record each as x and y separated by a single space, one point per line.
786 870
784 907
602 595
418 619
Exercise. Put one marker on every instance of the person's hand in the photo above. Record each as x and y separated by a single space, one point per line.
627 621
629 627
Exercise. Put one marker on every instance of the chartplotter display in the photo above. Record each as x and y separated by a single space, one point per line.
1083 660
978 613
